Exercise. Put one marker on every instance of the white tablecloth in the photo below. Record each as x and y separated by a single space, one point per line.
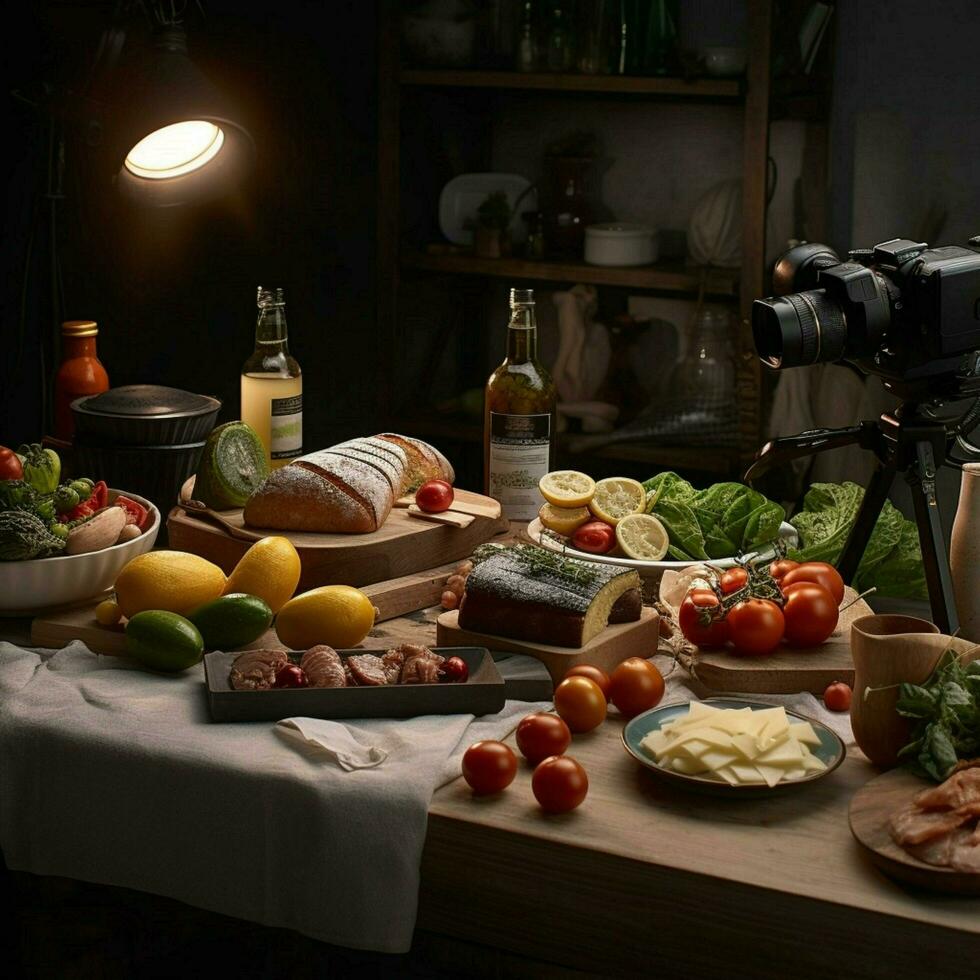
114 775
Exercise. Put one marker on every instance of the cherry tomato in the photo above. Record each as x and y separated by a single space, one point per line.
734 579
489 767
542 734
636 686
434 496
596 537
837 697
449 600
810 613
756 627
581 703
819 572
135 513
11 467
780 567
291 676
559 784
700 619
454 670
596 674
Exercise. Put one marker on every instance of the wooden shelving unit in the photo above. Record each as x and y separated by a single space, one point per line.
751 96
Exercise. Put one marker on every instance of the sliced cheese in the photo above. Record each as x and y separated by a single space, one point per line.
803 731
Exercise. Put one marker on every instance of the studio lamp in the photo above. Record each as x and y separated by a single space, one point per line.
175 138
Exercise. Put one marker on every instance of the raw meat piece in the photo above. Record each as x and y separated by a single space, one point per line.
349 676
323 667
965 851
421 665
914 826
392 662
961 788
255 670
367 669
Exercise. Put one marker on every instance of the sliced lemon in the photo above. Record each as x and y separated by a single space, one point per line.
567 488
617 497
642 536
563 520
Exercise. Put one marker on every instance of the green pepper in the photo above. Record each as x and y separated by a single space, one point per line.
42 467
44 508
17 495
82 487
65 498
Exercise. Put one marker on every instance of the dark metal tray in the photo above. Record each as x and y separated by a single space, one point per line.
482 694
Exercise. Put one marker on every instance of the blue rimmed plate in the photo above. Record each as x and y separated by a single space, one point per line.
830 752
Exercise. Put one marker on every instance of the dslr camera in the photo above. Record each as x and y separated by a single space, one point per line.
903 311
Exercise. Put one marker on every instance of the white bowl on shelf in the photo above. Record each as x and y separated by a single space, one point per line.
27 587
620 243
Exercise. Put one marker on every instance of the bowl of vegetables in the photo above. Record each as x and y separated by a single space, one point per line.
63 541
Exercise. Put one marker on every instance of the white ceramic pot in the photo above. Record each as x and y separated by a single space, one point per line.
964 553
30 586
620 243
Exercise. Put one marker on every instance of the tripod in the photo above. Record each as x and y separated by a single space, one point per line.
906 442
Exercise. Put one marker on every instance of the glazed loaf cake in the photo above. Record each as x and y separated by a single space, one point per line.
349 488
527 593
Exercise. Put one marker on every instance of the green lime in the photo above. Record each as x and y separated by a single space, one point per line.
231 621
163 640
232 466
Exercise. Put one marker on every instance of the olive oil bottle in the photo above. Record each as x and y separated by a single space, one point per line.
520 421
272 384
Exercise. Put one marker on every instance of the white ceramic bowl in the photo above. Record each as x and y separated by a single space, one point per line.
620 243
30 586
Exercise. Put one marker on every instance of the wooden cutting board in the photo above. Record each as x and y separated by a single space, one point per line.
393 598
871 808
403 545
611 647
788 670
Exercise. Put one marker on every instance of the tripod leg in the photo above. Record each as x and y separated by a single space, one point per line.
857 541
922 480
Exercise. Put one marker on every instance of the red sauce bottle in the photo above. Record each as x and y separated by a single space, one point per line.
81 373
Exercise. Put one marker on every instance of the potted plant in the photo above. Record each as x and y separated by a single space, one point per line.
491 236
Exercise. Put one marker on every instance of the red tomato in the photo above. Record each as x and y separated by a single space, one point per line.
559 784
542 734
779 568
434 496
837 697
454 670
135 513
581 703
291 676
596 537
701 619
756 627
10 465
636 686
734 579
596 674
810 613
489 767
819 572
98 500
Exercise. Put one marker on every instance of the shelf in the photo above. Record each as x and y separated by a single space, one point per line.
666 277
700 88
452 428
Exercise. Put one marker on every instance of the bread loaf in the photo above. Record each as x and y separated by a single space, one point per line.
349 488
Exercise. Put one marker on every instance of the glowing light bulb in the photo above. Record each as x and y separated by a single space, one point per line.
174 150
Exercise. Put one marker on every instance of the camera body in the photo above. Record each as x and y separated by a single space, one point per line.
901 310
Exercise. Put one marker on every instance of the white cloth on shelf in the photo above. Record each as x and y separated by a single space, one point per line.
115 775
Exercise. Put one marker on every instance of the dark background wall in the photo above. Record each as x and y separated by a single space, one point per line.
173 291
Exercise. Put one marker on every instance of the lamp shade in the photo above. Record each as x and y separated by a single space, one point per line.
176 138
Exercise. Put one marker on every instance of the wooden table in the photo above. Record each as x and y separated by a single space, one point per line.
646 879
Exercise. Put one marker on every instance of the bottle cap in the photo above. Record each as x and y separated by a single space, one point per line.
522 297
79 328
269 297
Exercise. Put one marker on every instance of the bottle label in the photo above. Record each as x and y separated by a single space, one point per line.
519 456
286 430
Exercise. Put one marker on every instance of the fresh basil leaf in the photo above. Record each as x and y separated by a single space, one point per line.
915 701
941 752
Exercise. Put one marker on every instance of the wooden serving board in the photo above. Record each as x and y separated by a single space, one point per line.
788 670
393 598
871 807
403 545
612 646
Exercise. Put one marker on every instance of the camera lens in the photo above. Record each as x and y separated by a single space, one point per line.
798 329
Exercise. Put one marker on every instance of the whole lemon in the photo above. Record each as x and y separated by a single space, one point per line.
269 569
174 581
338 615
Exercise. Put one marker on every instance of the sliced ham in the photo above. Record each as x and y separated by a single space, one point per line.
961 788
255 670
323 667
914 826
367 670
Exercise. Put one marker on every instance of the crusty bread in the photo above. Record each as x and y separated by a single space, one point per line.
349 488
